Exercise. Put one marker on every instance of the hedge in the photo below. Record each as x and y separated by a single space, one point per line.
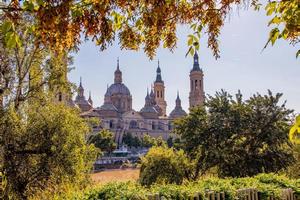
267 185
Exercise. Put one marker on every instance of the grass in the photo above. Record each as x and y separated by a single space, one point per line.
119 175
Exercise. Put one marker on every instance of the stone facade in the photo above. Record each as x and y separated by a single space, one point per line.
117 115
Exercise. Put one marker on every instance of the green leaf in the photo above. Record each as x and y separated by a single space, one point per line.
298 53
192 51
190 40
11 40
28 5
6 26
274 35
275 20
270 8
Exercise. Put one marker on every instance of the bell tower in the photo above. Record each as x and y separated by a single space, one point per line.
159 91
196 84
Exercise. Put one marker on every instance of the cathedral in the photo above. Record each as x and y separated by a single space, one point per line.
117 114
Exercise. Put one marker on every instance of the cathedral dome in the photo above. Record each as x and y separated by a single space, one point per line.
117 88
177 113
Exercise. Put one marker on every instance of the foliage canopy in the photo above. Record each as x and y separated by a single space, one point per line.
103 140
137 23
236 136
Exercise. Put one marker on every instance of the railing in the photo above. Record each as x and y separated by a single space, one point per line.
242 194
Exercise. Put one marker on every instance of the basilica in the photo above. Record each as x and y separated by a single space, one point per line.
118 115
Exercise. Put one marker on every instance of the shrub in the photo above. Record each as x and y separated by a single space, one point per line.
162 164
266 184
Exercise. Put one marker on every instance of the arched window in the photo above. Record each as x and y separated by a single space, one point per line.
157 94
133 124
196 84
192 85
160 126
153 125
111 123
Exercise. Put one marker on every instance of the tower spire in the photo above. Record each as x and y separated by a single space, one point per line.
118 66
196 96
80 88
90 98
196 66
118 73
178 101
158 74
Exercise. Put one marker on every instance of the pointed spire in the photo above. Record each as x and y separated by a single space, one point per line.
118 64
178 101
118 73
178 95
80 83
196 66
158 70
90 98
80 88
158 73
177 112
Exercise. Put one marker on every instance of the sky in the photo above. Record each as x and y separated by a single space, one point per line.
242 66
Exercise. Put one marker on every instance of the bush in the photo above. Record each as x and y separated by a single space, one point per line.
266 184
163 164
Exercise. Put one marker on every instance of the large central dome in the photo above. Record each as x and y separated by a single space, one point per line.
118 94
117 88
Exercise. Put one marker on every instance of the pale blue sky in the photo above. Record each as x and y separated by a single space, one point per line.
242 65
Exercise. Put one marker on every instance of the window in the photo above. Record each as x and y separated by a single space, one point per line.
157 94
192 85
153 126
196 84
170 126
160 126
133 124
111 123
161 94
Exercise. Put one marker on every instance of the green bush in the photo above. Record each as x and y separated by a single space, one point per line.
163 165
266 184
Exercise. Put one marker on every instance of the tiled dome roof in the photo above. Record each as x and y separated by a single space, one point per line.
177 112
117 88
108 106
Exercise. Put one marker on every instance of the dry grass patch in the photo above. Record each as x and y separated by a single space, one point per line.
119 175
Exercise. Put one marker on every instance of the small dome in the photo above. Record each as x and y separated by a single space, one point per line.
108 106
148 109
117 88
177 113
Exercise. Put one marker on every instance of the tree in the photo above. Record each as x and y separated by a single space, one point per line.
128 139
103 140
42 141
148 141
163 165
45 148
137 23
236 136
